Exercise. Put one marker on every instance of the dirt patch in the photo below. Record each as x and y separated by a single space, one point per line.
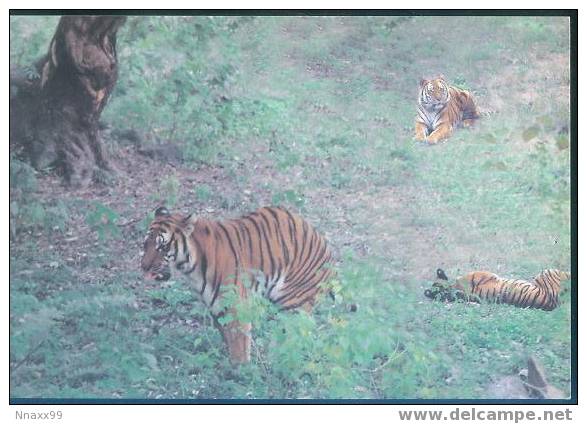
372 222
508 387
379 223
133 195
545 78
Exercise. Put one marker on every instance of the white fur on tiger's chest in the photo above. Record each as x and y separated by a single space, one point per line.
430 118
197 281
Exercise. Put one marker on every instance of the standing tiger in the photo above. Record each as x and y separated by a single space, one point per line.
271 251
441 108
541 293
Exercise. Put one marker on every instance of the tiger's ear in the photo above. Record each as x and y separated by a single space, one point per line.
440 274
423 82
190 222
162 211
441 77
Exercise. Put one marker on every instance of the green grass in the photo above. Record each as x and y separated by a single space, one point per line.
325 107
112 340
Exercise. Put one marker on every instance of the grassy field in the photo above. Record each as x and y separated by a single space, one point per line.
316 114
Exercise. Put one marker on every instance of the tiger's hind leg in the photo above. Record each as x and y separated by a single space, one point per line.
237 337
470 112
308 307
468 123
238 340
321 283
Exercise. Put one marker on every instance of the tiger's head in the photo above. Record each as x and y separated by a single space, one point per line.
558 274
553 278
434 93
165 244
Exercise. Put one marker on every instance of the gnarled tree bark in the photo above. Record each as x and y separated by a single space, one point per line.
55 106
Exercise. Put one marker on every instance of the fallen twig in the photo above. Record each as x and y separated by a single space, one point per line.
28 355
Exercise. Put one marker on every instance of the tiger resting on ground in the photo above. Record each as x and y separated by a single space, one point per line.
541 293
271 251
441 108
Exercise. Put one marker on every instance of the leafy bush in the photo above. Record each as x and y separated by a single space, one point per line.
289 197
180 95
30 37
203 192
169 190
26 212
22 176
102 219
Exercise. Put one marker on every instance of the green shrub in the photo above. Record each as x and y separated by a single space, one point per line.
289 197
26 211
30 37
177 95
102 220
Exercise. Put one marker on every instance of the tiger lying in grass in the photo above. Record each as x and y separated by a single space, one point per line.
276 252
441 108
541 293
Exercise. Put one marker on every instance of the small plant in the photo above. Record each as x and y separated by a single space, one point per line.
289 198
169 190
203 193
102 219
26 46
142 225
340 179
25 210
22 176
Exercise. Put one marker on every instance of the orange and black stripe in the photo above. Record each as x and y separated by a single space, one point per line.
541 293
279 252
441 108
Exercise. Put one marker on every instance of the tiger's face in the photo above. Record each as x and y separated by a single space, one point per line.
167 245
434 92
157 253
159 250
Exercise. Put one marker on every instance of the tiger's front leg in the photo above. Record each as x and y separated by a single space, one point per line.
443 131
468 123
237 337
421 131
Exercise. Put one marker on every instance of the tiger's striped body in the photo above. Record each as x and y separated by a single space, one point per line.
271 251
441 108
541 293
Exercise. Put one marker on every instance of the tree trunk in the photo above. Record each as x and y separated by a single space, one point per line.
56 106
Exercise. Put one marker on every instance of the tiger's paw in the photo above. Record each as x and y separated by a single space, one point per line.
445 293
424 139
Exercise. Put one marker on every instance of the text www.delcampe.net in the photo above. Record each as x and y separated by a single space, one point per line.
476 414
